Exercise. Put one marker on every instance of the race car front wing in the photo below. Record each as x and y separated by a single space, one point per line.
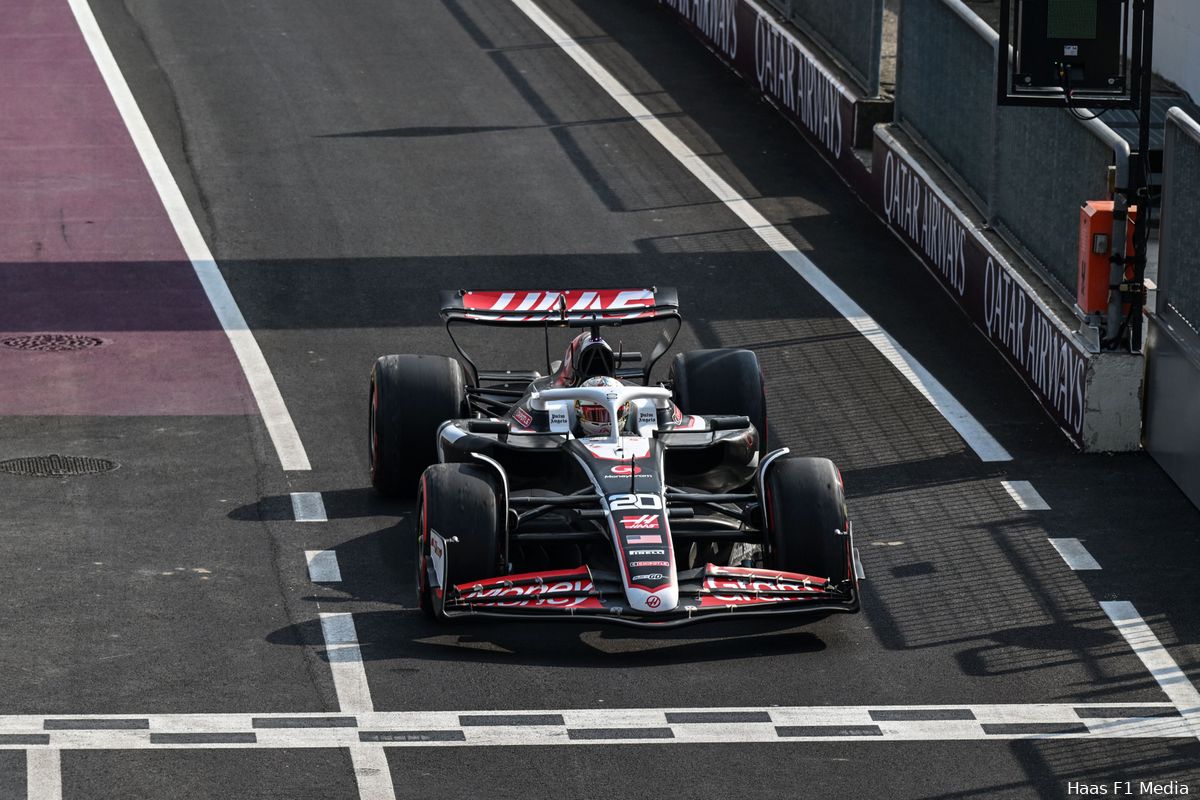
705 593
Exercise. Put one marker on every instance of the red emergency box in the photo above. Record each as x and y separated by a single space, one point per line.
1095 246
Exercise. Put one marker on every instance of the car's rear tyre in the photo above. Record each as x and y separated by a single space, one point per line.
410 397
724 381
463 501
806 518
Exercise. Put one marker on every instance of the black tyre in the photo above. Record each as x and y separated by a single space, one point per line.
458 500
721 382
805 510
410 397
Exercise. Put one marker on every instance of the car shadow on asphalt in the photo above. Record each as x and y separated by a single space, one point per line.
339 504
410 635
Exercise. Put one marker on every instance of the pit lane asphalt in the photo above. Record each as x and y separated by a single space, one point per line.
347 162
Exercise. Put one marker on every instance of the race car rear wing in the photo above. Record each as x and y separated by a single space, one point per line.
558 308
577 308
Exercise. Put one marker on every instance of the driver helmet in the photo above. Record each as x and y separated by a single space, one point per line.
593 417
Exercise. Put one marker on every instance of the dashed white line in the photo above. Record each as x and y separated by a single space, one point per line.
323 566
258 374
975 435
369 761
372 731
345 659
308 507
43 774
1171 679
1075 554
1025 496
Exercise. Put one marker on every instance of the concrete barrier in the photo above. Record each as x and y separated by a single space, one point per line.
1094 397
1048 164
1179 240
812 94
1173 341
945 95
946 217
1027 170
850 30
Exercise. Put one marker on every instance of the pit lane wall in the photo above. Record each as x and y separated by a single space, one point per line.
789 73
1173 328
856 46
1094 397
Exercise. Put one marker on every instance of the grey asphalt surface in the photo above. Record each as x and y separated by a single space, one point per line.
345 163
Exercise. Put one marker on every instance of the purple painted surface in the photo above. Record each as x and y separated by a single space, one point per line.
86 247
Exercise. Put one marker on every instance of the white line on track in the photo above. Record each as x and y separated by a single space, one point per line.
1025 496
374 730
345 659
1075 554
969 428
308 507
43 774
372 773
323 566
258 374
1171 679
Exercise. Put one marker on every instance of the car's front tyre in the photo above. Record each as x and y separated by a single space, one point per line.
806 518
458 501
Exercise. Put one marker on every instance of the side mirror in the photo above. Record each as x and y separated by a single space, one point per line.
496 426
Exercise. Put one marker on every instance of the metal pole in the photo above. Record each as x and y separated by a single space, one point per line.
1141 232
1003 68
1132 185
1116 272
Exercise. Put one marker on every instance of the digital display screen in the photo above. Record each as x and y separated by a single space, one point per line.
1071 19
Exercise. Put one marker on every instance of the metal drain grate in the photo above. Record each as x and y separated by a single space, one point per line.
52 342
56 466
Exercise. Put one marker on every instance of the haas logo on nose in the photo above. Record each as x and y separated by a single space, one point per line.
653 601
